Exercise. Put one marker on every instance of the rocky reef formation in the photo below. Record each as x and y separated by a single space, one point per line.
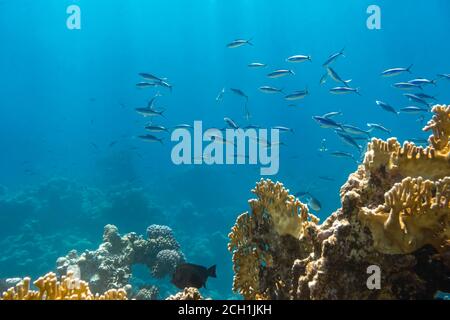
50 288
187 294
110 266
394 221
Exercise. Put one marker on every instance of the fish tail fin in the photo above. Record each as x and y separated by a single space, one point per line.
310 58
357 91
161 141
342 51
249 41
409 68
292 72
162 114
212 272
434 82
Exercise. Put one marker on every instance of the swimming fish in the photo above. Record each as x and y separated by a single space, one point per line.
297 95
149 112
406 86
156 128
341 154
327 122
183 126
349 140
151 138
377 126
144 84
239 43
332 114
219 97
257 65
354 130
444 76
324 78
344 90
191 275
280 73
422 81
148 76
333 74
239 92
413 110
299 58
333 57
386 107
425 96
268 89
231 123
313 202
416 98
285 129
395 71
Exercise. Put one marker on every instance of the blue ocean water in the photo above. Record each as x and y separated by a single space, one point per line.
69 131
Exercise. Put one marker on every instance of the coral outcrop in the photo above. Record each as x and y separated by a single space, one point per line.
109 267
393 224
187 294
67 288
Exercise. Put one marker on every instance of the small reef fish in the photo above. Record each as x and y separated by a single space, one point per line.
415 98
191 275
252 126
386 107
257 65
332 114
444 76
323 79
344 90
354 130
333 74
406 86
148 76
268 89
231 123
422 82
333 57
341 154
155 128
425 96
164 84
285 129
395 71
313 202
144 84
151 138
183 126
297 95
413 110
239 93
327 123
379 127
280 73
149 112
349 140
239 43
219 97
299 58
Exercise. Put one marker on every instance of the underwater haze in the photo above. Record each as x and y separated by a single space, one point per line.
76 154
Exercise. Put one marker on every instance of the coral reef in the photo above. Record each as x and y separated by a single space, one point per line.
109 267
50 288
395 216
187 294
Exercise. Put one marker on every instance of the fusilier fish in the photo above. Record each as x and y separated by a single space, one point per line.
386 107
239 92
349 140
416 98
239 43
333 57
344 90
268 89
297 95
151 138
156 128
257 65
148 76
413 110
231 123
327 123
144 84
354 130
280 73
406 86
333 74
285 129
377 126
425 96
341 154
395 71
148 112
332 114
422 81
299 58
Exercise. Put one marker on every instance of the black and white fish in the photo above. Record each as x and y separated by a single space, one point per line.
395 71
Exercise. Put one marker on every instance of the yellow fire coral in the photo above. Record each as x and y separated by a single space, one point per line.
49 288
416 212
255 246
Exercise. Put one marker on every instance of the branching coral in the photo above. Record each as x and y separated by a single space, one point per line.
109 267
395 215
50 288
187 294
